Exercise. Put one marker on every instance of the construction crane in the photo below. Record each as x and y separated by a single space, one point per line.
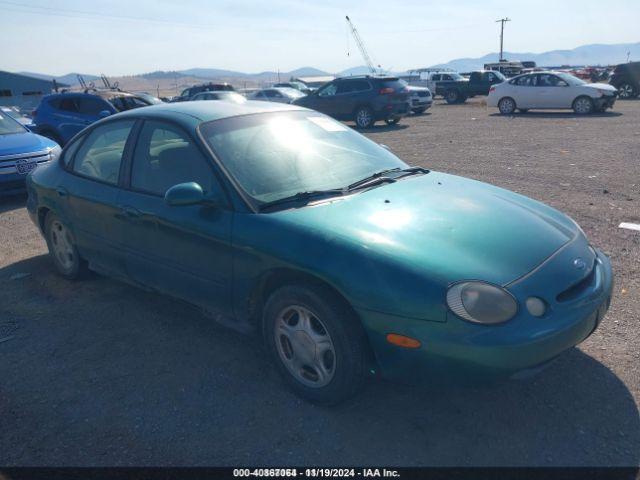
359 42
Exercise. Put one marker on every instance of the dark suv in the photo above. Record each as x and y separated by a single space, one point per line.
187 93
626 78
363 99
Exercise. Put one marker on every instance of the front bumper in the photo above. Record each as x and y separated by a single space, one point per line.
460 350
605 102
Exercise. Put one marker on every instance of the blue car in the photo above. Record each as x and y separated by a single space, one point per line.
21 151
61 115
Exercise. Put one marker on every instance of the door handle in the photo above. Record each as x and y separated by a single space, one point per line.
130 212
62 192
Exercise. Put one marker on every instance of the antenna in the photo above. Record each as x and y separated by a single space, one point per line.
502 21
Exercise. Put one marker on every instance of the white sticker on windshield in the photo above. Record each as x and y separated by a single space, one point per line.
328 124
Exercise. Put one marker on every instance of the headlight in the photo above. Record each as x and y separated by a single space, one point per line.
480 302
54 153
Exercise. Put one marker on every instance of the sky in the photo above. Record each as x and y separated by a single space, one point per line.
125 37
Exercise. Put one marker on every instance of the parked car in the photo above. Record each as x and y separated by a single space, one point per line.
479 83
282 221
626 78
150 99
277 94
21 151
225 95
363 99
429 78
554 90
61 115
14 112
297 85
420 99
187 93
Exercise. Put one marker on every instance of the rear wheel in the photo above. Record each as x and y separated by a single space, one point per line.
419 111
626 90
364 117
316 342
507 105
62 248
583 105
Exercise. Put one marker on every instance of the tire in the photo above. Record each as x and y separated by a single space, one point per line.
507 105
392 121
300 320
364 117
62 249
626 91
523 110
419 111
452 96
583 105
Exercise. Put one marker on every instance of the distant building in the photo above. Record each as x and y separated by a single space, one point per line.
314 81
23 91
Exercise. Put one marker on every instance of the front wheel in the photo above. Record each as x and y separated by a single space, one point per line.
316 342
452 96
507 106
62 248
583 105
364 117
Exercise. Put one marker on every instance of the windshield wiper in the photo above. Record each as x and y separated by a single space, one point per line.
302 196
379 177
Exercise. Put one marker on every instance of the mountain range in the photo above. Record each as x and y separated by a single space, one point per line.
596 54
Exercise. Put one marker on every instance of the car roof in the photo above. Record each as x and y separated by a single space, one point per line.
206 111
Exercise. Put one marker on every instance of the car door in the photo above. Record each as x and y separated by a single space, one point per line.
521 90
91 194
184 251
553 92
324 100
67 117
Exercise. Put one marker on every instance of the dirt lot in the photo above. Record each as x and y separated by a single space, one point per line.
100 373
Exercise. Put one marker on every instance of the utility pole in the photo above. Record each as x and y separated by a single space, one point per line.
502 22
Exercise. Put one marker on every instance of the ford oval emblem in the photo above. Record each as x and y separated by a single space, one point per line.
579 263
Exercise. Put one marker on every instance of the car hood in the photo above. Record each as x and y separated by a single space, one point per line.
447 227
601 86
27 142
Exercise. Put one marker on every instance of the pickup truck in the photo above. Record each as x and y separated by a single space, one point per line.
478 83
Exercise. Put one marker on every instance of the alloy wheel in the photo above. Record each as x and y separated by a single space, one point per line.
363 118
506 106
305 346
626 91
583 105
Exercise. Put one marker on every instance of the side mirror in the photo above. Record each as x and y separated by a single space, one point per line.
183 194
104 113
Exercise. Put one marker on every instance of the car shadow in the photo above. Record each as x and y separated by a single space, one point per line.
12 202
117 375
381 127
556 114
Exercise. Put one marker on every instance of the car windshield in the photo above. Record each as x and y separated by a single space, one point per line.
276 155
570 79
231 96
8 125
291 92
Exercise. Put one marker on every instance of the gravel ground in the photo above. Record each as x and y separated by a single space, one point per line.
99 373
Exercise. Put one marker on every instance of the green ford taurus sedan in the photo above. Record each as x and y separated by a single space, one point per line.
280 220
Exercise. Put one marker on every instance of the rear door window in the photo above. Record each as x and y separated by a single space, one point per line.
101 152
91 105
68 105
